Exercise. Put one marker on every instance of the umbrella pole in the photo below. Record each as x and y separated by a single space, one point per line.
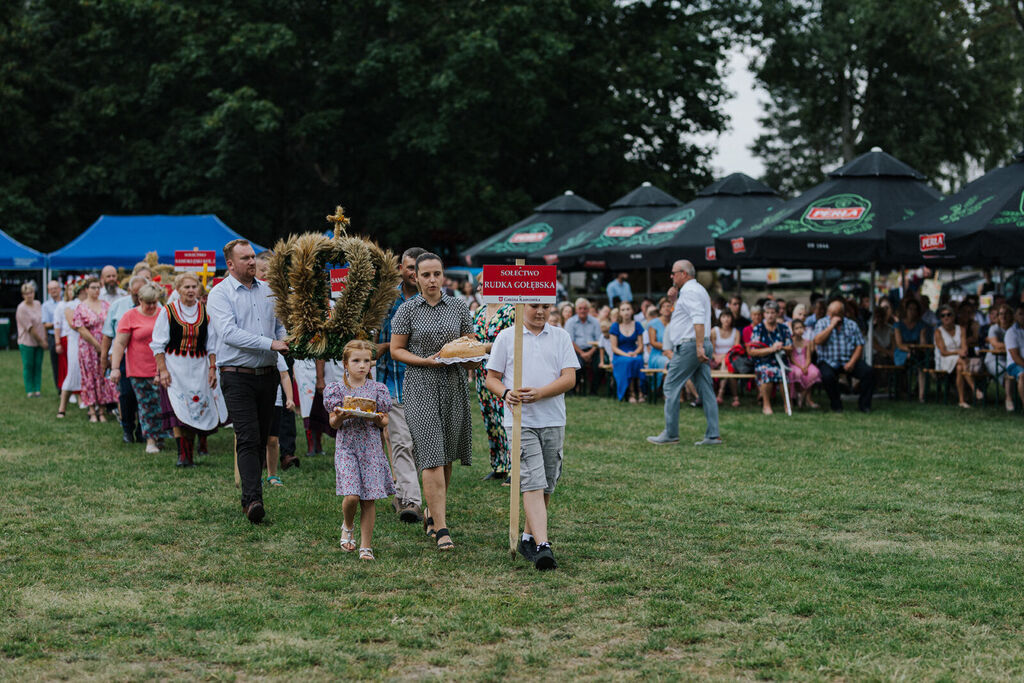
739 281
649 290
871 321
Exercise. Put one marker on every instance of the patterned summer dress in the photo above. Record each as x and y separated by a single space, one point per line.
436 398
491 407
95 387
767 367
360 465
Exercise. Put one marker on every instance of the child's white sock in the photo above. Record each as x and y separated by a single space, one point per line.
527 537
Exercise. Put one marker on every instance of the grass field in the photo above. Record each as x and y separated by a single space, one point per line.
818 546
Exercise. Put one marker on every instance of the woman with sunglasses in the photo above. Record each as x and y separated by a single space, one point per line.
950 347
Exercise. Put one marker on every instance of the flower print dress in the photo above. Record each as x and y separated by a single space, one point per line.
767 367
96 389
491 407
360 464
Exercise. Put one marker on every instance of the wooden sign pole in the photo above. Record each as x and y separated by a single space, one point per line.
517 428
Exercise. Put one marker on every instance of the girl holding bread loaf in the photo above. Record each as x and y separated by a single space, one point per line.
358 409
436 395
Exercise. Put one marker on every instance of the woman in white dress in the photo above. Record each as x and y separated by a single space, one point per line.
950 346
62 315
184 344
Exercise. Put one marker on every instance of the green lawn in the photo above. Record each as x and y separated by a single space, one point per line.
817 546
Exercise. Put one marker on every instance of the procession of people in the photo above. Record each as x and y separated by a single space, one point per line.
201 361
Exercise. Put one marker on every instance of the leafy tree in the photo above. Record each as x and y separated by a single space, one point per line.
431 122
936 84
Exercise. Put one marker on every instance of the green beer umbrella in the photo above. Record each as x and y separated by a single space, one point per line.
628 216
982 224
688 231
840 222
529 237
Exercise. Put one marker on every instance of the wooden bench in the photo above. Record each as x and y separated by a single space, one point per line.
892 374
607 368
652 383
943 382
720 374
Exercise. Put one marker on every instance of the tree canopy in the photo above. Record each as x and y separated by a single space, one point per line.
435 122
939 85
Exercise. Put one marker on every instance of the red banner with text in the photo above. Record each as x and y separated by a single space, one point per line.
194 259
339 278
519 284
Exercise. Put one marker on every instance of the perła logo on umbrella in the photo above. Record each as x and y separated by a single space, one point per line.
935 241
528 238
845 214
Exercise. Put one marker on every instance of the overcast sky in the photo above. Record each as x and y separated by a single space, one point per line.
732 147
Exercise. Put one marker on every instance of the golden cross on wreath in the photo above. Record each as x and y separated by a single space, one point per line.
206 273
339 219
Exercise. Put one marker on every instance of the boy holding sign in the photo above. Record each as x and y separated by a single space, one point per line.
549 370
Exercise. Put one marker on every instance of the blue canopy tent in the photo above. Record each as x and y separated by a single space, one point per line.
123 241
16 256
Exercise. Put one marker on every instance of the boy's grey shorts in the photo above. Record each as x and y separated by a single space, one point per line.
540 463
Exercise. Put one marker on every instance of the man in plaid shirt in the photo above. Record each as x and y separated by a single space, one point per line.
840 348
391 374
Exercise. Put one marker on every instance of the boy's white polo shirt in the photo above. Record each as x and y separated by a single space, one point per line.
545 355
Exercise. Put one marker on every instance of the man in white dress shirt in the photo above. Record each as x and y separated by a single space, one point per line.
241 309
689 335
49 306
110 292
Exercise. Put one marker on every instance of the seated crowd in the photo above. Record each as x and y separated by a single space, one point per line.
626 348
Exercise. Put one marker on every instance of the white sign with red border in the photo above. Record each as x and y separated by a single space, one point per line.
519 284
339 278
189 260
935 241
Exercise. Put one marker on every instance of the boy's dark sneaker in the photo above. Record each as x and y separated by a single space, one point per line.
544 559
528 549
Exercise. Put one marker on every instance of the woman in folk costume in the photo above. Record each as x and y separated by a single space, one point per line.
184 346
312 376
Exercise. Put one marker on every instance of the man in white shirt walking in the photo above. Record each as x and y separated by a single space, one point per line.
689 334
241 309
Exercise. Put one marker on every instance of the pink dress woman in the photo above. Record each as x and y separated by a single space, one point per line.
360 464
96 389
797 376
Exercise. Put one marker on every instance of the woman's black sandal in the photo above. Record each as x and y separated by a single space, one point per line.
444 545
429 522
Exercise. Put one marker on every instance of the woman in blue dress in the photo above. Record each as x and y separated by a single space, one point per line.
911 329
656 337
627 353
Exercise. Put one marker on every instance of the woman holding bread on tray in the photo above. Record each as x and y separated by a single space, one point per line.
435 391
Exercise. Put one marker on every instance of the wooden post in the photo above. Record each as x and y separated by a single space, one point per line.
517 428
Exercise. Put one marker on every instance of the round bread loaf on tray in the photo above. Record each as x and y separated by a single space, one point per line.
366 405
463 347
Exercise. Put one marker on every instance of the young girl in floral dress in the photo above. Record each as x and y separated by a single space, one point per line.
360 464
